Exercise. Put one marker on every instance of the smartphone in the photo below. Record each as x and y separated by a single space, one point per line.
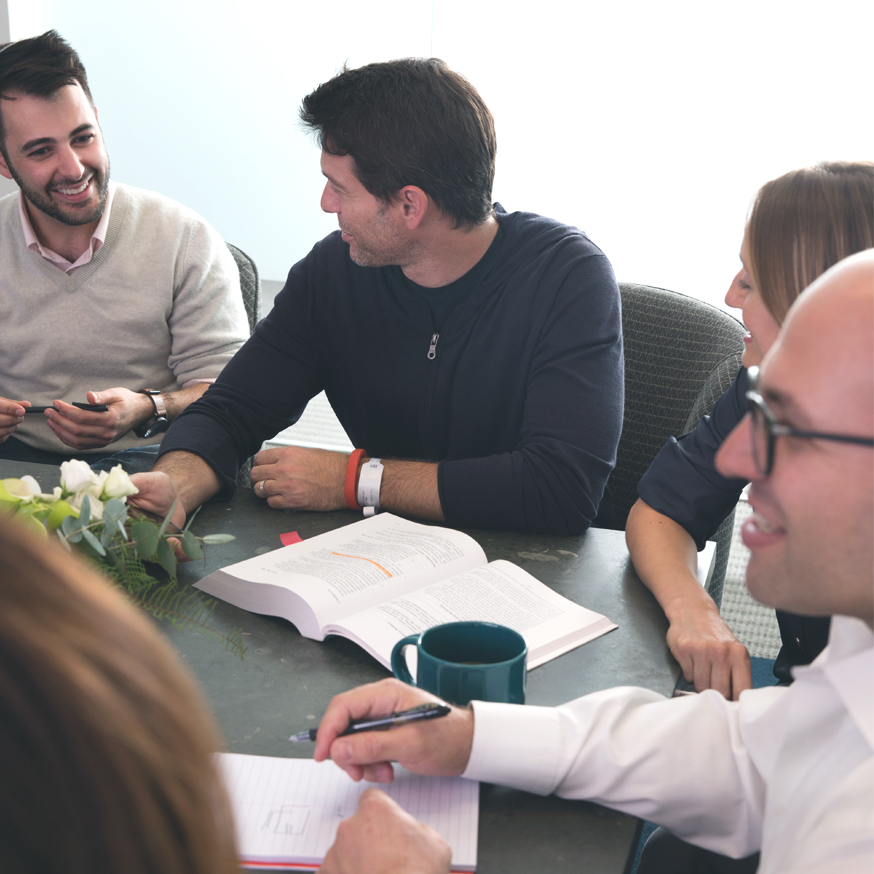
91 408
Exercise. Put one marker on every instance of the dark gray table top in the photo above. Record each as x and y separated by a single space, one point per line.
285 681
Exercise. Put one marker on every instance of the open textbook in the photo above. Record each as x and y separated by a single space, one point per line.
286 811
378 580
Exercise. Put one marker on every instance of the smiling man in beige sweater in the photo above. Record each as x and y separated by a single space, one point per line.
109 295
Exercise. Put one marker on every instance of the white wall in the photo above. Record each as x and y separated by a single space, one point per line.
6 186
649 125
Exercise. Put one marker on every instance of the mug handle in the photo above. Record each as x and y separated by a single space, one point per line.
399 660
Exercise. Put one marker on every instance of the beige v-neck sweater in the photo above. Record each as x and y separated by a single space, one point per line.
158 305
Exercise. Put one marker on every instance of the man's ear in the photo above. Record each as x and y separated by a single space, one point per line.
4 169
414 204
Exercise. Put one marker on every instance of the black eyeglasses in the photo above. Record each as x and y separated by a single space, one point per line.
766 429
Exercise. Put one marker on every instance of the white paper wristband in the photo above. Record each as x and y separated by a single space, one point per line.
368 486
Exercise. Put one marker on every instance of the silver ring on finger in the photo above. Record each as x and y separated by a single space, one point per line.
261 487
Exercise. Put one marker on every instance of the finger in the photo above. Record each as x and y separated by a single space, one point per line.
178 551
13 408
741 677
720 677
374 699
74 435
381 772
687 665
267 456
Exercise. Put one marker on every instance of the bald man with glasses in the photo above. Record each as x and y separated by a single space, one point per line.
787 771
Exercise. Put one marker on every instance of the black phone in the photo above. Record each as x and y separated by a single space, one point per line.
91 408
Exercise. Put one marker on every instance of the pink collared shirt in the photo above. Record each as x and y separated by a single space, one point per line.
97 238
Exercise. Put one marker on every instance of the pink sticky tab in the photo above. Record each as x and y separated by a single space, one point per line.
290 537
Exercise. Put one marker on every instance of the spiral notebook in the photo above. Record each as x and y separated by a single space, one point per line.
287 810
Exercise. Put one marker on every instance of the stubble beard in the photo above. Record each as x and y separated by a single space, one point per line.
389 248
70 214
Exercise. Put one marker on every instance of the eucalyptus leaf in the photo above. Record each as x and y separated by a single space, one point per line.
114 516
146 537
70 524
166 557
85 510
192 517
191 546
93 542
71 527
218 538
168 517
85 546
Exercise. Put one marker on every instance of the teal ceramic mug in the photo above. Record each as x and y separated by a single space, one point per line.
466 661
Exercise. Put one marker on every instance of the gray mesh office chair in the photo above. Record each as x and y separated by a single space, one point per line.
681 355
250 285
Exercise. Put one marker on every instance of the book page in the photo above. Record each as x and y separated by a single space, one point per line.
342 571
498 592
287 810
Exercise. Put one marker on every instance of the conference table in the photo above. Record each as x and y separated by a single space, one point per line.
284 681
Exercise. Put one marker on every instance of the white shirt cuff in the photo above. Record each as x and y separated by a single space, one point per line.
516 746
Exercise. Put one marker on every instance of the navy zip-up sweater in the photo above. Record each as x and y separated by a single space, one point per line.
521 402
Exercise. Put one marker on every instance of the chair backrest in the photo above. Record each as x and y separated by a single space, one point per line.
250 285
681 355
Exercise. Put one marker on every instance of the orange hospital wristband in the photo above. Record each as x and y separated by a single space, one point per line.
351 477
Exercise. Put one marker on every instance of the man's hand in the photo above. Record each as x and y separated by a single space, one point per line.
295 478
709 654
382 838
11 416
439 747
156 495
82 429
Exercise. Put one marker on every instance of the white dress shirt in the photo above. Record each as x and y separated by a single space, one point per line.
788 771
98 238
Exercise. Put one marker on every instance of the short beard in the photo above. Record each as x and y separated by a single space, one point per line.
43 202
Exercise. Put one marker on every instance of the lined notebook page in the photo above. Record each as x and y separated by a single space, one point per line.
287 810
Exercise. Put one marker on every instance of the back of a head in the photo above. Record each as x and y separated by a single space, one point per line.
806 221
410 122
106 751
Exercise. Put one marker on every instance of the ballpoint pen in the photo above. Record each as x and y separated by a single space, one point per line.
381 723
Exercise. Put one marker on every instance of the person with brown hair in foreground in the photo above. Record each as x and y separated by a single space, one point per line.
788 771
106 747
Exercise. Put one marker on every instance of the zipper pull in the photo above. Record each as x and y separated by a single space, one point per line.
432 351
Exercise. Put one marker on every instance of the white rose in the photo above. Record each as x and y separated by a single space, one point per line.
118 484
76 475
96 504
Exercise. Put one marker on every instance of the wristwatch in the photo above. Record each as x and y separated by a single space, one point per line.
159 422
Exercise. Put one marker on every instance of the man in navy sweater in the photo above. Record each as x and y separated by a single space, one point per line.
474 355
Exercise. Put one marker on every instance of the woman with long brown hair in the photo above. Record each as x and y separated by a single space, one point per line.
800 225
106 749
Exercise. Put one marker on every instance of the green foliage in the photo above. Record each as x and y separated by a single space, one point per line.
121 545
167 601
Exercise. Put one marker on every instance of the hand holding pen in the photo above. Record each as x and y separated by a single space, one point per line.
382 723
423 744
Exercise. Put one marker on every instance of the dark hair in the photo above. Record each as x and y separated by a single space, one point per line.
410 122
805 222
38 67
106 748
